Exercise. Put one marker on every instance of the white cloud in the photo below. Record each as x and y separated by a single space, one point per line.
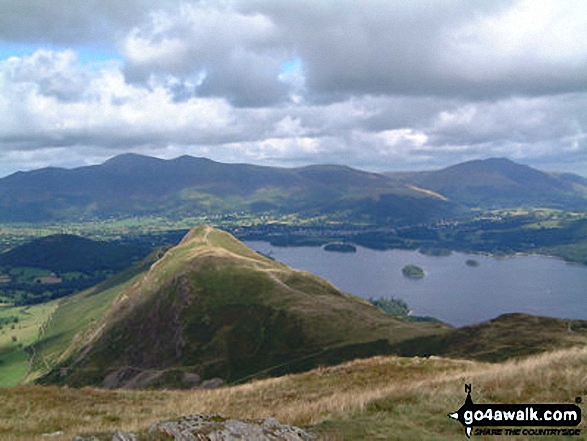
374 84
533 47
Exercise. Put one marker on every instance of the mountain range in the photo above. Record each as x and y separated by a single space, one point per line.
135 185
131 185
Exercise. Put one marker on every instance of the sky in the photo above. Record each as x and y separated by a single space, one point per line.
373 84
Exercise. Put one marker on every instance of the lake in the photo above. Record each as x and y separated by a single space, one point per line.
451 291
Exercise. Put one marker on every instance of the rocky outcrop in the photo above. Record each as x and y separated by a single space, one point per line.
217 428
210 428
134 378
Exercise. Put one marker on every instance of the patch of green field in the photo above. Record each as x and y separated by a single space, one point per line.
23 274
22 330
13 365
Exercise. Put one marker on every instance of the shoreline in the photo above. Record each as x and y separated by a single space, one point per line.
459 251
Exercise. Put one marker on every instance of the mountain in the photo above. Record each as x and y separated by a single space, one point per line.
211 308
129 185
501 183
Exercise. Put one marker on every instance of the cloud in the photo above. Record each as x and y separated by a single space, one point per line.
235 55
377 84
53 73
459 48
41 110
68 23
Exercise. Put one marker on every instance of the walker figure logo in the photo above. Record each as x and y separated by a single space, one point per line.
472 415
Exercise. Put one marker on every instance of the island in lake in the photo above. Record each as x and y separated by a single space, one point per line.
472 262
341 247
435 251
413 271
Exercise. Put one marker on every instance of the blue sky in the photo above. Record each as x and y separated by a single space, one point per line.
86 55
377 85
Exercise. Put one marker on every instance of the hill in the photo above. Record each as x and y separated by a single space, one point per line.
507 336
135 185
58 265
212 308
389 398
70 253
501 183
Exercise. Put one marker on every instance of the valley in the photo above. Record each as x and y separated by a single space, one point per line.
200 283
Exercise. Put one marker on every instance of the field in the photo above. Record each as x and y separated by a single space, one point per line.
20 327
378 398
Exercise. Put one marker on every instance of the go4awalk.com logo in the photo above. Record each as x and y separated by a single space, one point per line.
515 419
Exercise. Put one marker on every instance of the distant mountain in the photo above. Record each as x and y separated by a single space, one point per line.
139 185
211 308
499 183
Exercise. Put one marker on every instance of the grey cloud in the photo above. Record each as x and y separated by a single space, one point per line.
347 47
236 54
246 80
420 48
519 120
71 23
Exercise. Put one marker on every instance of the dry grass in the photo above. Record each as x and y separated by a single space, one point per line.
388 397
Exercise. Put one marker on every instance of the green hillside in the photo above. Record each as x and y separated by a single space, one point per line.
58 265
69 253
212 307
507 336
20 328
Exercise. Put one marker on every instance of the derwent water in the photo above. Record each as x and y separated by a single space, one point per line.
451 291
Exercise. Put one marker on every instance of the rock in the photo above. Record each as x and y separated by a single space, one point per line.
119 377
108 436
136 378
191 378
53 434
209 428
218 428
212 383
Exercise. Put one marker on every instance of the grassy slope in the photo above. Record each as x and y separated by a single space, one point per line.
507 336
216 308
379 398
76 318
13 358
